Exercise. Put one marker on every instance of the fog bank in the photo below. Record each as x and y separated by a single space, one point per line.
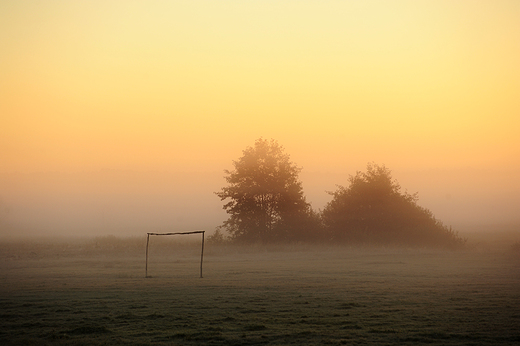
127 203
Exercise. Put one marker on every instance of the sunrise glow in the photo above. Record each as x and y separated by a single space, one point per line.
185 86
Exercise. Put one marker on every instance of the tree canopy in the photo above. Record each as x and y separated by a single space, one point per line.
265 199
265 202
372 209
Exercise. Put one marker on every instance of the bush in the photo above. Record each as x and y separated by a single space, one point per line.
373 210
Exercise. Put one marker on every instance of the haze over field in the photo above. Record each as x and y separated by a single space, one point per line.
120 117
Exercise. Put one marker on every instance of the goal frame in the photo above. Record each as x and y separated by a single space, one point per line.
174 233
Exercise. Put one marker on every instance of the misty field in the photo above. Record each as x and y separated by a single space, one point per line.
94 292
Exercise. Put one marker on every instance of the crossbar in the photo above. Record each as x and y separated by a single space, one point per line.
194 232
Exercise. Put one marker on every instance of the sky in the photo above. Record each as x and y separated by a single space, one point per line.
125 113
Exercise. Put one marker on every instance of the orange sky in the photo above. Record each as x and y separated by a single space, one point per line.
185 86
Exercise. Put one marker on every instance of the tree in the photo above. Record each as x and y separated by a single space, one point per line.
266 201
372 209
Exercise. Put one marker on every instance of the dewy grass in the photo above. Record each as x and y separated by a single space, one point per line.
258 297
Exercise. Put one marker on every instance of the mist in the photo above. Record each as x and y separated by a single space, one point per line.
120 203
129 203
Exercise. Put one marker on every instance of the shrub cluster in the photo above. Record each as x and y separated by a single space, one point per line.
266 204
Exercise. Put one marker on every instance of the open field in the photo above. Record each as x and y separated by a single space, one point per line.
96 293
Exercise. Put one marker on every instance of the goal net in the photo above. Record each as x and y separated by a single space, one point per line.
175 233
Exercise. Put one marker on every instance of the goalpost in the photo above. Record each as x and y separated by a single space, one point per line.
175 233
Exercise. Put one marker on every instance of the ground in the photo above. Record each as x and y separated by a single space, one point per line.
75 294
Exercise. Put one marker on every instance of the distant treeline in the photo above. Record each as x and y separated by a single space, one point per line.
266 204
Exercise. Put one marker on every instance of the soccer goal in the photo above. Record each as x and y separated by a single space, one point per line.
176 233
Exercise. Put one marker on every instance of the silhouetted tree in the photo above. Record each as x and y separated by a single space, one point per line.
266 201
372 209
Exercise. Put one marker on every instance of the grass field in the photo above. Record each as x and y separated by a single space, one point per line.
95 293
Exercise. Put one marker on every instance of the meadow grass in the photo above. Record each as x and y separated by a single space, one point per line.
82 293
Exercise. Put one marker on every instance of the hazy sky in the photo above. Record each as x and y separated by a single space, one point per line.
431 89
